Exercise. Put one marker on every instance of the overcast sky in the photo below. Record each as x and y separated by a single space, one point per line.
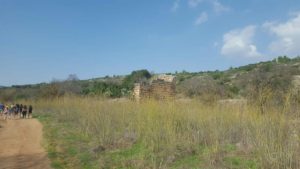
45 39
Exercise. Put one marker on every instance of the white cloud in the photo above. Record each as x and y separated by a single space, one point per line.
175 6
201 19
194 3
239 43
287 36
293 13
218 7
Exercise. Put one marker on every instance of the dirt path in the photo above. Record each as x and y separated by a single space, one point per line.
20 145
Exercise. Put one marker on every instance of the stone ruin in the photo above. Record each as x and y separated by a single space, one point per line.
161 87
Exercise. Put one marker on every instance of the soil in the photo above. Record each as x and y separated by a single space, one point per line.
20 145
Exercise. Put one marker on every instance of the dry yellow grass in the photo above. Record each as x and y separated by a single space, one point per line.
211 136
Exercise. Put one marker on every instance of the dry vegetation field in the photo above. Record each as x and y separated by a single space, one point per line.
99 133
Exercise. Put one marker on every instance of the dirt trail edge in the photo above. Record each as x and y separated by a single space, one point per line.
20 145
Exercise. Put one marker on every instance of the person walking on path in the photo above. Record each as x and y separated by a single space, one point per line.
24 112
1 109
21 110
5 112
17 111
30 111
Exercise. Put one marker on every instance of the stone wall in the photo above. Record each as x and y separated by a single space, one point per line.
161 88
141 90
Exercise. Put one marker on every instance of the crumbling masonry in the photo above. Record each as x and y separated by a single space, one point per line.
160 88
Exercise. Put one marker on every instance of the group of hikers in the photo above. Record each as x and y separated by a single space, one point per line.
15 111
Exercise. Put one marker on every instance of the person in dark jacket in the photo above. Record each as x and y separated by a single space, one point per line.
16 110
2 107
21 110
30 111
24 112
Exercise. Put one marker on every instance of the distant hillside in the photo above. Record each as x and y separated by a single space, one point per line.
239 82
235 82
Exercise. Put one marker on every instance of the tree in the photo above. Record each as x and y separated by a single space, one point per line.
71 85
269 88
51 90
72 77
135 77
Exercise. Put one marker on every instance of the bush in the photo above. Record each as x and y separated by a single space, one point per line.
135 77
204 87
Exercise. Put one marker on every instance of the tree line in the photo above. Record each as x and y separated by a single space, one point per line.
262 83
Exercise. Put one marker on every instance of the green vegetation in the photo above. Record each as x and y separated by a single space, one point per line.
99 133
210 85
84 128
110 87
134 77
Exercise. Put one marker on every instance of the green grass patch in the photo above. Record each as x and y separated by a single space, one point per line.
240 163
191 162
230 147
126 158
64 145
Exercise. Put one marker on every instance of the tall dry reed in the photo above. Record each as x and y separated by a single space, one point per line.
170 130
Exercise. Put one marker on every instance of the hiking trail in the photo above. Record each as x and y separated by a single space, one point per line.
20 145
